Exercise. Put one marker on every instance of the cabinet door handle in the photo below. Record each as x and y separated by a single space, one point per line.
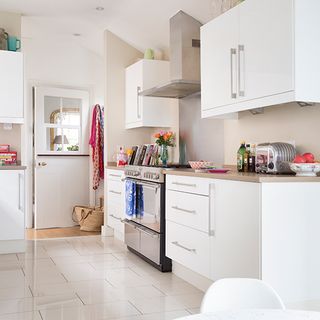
233 52
240 70
184 210
113 216
212 191
176 243
21 181
138 103
115 192
184 184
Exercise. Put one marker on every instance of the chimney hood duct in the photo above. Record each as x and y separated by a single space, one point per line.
184 59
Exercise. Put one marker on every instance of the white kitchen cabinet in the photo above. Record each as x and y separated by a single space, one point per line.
218 55
12 211
148 111
11 84
235 242
115 201
264 230
217 217
260 53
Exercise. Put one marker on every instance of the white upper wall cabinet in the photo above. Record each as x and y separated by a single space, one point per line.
11 84
148 111
260 53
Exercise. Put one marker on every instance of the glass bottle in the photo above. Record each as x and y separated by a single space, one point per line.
240 157
252 159
246 156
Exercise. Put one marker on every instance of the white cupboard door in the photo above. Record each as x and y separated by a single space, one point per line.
219 41
11 84
235 221
134 84
265 51
12 205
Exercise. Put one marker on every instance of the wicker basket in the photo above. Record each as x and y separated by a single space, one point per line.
89 218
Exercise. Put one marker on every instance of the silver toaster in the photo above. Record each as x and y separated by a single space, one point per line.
274 157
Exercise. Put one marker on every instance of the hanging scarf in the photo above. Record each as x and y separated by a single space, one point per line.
97 143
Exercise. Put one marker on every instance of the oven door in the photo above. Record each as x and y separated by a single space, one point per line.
148 204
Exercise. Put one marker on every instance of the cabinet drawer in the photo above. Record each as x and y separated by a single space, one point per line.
114 175
190 210
188 184
189 247
115 192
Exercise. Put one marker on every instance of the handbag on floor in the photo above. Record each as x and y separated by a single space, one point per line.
89 218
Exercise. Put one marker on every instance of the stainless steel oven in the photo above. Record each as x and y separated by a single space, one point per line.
145 230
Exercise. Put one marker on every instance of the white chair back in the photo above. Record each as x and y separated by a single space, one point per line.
240 293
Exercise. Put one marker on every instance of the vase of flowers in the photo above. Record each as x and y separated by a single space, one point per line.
164 139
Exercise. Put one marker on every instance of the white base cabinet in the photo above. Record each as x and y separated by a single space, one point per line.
12 211
11 84
248 62
115 202
148 111
222 228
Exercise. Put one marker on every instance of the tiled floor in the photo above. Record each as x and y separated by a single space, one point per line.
89 278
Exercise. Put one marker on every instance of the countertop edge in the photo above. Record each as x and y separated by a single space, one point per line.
251 177
111 167
13 167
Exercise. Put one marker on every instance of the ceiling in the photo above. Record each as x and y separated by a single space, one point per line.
141 23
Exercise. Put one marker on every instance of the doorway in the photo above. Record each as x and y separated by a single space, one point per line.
61 155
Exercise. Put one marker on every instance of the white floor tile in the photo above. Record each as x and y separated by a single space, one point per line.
95 312
160 316
108 294
176 287
85 258
80 272
20 292
193 310
33 315
157 305
125 277
11 278
87 278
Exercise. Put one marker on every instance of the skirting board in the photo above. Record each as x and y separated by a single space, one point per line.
106 231
197 280
12 246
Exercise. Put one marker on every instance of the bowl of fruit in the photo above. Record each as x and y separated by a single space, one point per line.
305 165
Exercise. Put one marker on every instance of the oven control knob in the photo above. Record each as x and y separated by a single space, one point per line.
136 174
156 176
271 165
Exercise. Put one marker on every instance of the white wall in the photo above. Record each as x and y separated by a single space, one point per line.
55 61
11 22
203 137
287 122
119 55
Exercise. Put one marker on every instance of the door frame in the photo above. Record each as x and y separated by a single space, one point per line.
27 142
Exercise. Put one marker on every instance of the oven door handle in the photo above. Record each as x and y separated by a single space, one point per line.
142 229
153 185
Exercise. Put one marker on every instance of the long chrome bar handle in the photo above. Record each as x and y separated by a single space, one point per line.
138 102
233 52
240 70
212 203
184 210
176 243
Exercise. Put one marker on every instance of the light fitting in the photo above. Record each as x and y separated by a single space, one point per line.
99 8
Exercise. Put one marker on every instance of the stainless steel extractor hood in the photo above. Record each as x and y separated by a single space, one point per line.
184 59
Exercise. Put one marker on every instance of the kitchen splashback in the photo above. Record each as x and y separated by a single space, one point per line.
203 138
